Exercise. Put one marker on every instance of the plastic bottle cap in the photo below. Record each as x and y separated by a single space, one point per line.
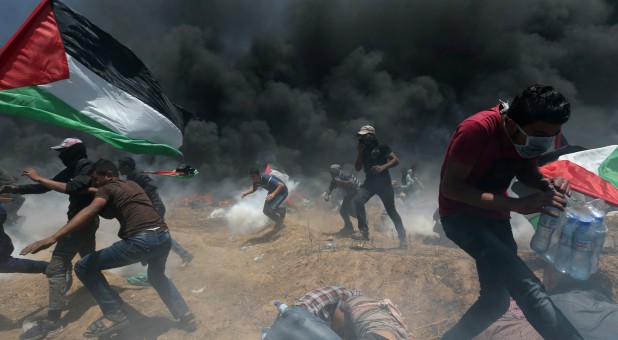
571 218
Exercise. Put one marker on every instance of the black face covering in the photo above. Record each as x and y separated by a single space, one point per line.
368 142
72 154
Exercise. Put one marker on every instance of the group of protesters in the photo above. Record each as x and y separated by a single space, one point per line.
95 189
486 151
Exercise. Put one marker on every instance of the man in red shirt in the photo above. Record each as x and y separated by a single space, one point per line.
485 153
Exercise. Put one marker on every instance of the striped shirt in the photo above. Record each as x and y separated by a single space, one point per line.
347 188
268 182
322 302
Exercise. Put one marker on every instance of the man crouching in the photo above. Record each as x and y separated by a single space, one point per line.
144 238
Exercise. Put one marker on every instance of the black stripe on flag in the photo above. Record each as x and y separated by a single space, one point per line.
112 61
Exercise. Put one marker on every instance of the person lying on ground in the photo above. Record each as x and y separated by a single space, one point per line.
312 316
144 238
367 318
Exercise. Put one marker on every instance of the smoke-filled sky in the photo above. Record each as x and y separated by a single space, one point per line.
290 82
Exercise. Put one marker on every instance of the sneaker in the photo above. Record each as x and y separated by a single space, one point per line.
42 329
186 260
361 236
346 231
282 214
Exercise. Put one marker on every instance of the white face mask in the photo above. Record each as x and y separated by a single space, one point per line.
535 146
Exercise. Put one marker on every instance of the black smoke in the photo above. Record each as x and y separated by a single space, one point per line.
289 82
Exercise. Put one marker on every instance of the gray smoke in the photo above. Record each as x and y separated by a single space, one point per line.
289 82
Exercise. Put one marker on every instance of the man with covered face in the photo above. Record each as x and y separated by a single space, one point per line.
485 153
74 181
376 159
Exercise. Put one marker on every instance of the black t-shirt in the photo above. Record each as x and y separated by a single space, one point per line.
149 187
376 154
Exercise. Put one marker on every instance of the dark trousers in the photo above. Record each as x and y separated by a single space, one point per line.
272 208
59 273
150 246
384 190
299 324
501 274
9 264
347 209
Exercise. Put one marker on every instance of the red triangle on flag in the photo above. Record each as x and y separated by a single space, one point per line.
35 55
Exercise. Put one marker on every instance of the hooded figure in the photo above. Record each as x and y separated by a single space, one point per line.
74 181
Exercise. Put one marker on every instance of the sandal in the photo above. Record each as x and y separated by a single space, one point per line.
188 322
97 329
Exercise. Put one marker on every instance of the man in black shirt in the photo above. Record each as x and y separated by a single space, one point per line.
126 165
376 159
12 206
74 180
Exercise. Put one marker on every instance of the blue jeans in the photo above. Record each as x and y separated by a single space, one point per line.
179 249
9 264
272 208
150 246
300 324
501 274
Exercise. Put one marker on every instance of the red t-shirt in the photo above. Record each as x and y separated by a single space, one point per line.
478 141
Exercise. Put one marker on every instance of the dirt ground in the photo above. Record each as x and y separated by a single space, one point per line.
233 280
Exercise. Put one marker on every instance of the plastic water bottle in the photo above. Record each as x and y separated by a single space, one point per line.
563 254
264 332
582 247
282 307
544 231
554 240
600 231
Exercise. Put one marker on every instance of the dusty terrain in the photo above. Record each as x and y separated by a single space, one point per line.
242 275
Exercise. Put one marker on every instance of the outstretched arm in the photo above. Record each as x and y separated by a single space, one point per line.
48 183
249 192
75 223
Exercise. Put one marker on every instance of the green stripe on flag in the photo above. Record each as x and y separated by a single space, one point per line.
609 168
534 220
32 102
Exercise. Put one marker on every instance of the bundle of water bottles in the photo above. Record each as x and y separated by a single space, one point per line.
573 241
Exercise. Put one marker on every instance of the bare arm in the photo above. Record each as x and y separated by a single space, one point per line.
392 161
75 223
249 192
454 187
275 192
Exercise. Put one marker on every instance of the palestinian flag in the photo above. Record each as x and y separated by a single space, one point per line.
61 69
592 172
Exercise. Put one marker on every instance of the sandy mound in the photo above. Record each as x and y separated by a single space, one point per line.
233 280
